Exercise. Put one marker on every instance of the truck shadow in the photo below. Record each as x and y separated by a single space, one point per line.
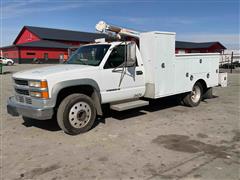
49 125
154 105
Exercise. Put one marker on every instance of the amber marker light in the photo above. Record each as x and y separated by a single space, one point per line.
39 94
44 84
45 95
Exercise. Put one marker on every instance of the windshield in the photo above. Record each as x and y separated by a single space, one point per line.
89 55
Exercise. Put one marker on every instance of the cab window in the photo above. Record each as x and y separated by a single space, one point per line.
116 57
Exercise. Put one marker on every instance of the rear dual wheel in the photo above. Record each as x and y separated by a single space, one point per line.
194 97
76 114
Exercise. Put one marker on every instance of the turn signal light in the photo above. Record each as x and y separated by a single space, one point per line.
43 84
37 94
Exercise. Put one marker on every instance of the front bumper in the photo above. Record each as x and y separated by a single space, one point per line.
16 109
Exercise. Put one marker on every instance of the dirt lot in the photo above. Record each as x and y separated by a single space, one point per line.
162 141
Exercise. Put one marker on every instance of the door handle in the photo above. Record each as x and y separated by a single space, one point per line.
139 72
163 65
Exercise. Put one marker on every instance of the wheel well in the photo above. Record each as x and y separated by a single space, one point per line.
83 89
203 83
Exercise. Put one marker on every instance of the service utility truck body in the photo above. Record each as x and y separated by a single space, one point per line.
118 73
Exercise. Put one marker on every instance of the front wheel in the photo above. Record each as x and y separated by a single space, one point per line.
76 114
194 97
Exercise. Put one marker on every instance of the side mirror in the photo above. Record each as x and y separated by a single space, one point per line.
131 54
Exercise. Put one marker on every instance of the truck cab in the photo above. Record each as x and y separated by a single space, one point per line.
99 73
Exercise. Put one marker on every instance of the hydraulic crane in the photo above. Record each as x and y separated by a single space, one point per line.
103 27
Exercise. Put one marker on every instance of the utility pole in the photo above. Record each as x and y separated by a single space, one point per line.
231 62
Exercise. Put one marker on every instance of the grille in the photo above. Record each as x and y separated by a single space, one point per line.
28 100
21 82
23 99
20 99
22 91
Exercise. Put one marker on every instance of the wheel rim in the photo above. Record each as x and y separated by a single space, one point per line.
196 94
80 115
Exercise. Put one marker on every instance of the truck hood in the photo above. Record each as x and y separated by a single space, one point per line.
45 72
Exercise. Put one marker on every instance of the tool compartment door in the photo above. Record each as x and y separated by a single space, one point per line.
158 53
165 60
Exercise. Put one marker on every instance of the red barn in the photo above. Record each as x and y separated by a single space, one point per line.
45 44
49 45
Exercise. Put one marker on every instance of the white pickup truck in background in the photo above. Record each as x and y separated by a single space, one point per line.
118 73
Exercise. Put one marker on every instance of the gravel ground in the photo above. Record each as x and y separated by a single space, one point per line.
161 141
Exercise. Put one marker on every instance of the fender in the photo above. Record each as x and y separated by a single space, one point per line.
96 96
203 82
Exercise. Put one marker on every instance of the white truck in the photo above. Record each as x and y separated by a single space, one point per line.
117 73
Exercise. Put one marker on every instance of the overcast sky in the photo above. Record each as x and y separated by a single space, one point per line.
200 21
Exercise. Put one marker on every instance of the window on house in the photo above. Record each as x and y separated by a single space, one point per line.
31 53
46 56
61 57
195 51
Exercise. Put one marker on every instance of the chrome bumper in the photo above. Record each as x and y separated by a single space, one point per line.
17 109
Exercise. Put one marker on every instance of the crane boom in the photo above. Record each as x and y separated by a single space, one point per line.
103 27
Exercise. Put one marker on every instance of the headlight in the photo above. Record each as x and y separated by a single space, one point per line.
39 94
38 84
42 92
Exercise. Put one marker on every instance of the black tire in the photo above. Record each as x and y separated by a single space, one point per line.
9 63
75 110
188 100
208 94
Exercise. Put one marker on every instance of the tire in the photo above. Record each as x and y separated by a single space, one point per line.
76 114
193 98
208 94
9 63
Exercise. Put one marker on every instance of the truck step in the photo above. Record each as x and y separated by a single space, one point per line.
128 105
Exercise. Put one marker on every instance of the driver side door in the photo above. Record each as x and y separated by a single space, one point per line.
120 83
